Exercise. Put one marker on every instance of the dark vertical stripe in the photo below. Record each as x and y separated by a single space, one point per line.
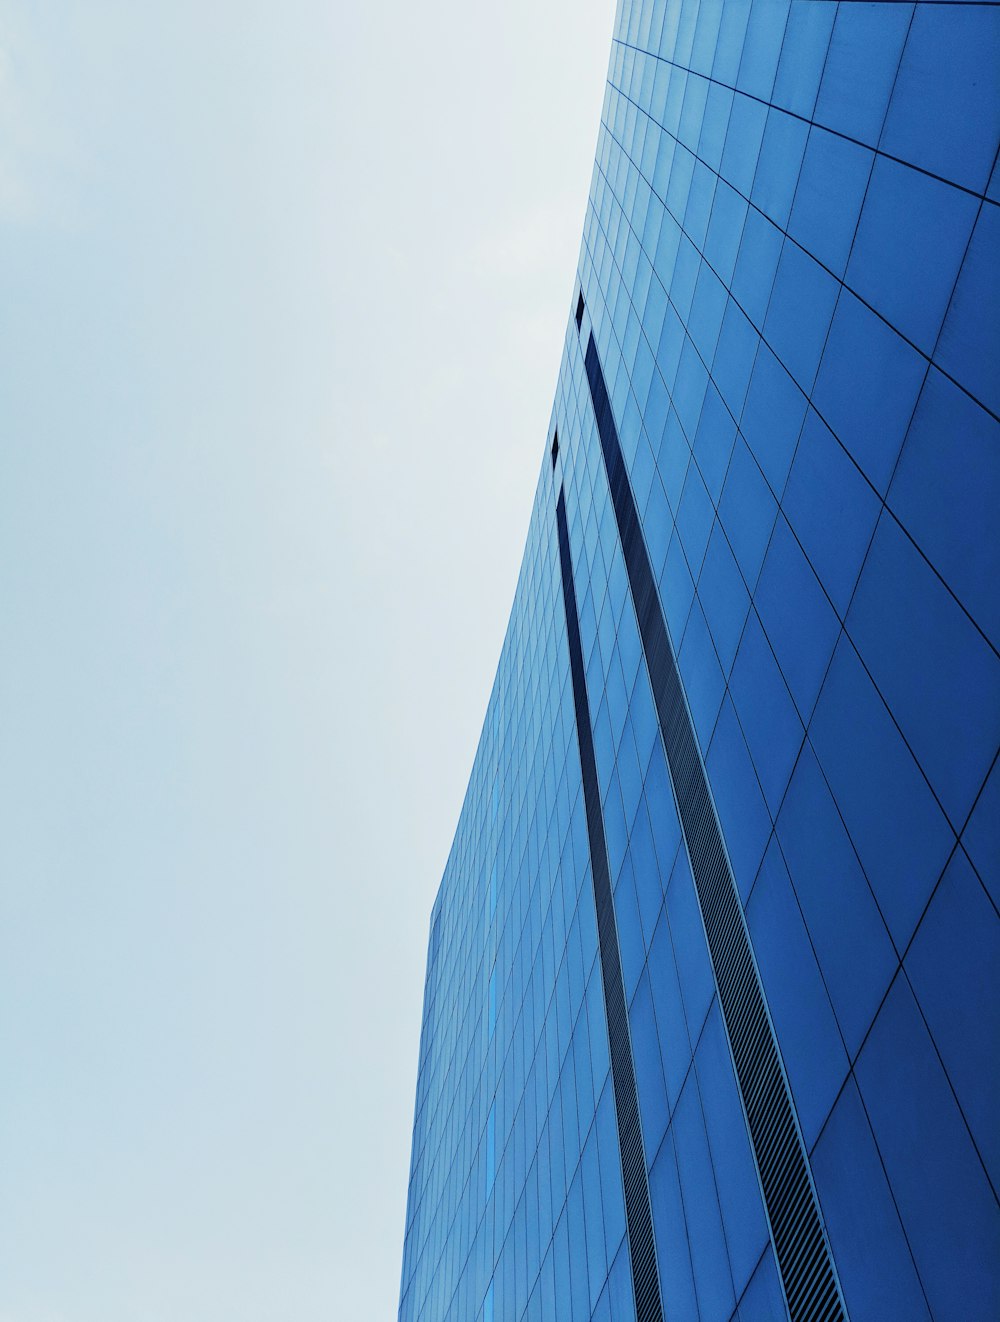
800 1244
642 1247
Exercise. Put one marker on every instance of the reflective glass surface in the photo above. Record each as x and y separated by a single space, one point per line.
788 270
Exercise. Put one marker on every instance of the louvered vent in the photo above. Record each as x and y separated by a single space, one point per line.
801 1249
642 1248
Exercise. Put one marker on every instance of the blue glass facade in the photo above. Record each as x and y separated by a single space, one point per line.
711 1023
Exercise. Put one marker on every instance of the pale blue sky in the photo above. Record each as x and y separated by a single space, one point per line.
282 296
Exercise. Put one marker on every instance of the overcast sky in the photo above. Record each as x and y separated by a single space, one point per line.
283 289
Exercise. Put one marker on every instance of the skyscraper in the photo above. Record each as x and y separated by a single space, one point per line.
711 1018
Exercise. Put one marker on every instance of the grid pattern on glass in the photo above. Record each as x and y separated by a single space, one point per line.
788 252
516 1187
814 467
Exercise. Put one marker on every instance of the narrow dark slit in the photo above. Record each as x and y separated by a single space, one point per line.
805 1263
638 1216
